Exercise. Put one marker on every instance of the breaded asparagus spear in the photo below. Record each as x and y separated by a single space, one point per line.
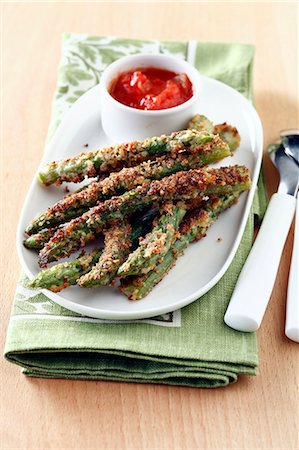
114 158
38 240
194 227
182 185
64 274
76 204
117 247
156 243
228 133
141 227
201 123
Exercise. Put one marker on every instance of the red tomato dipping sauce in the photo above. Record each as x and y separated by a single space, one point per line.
150 88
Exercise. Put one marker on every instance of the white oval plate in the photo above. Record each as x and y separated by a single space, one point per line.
204 262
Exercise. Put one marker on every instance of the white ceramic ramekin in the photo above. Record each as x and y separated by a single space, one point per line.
123 123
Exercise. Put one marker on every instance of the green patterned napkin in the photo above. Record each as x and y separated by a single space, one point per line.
190 347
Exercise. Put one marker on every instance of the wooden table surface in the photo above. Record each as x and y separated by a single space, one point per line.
255 413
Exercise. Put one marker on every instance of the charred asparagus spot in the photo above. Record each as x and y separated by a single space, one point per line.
180 186
114 158
64 274
227 133
156 243
142 225
117 247
74 205
194 227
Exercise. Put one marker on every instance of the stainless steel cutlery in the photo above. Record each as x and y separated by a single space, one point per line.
253 289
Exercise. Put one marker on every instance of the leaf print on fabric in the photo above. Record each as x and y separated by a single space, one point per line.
71 99
26 298
69 77
88 71
38 299
54 309
178 49
23 291
63 89
29 301
22 307
108 55
129 42
92 38
87 51
81 75
79 93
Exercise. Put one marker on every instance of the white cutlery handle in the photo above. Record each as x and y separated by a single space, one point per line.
292 317
254 286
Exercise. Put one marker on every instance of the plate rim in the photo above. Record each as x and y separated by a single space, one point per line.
150 312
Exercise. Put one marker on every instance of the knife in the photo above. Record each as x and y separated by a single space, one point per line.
255 283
